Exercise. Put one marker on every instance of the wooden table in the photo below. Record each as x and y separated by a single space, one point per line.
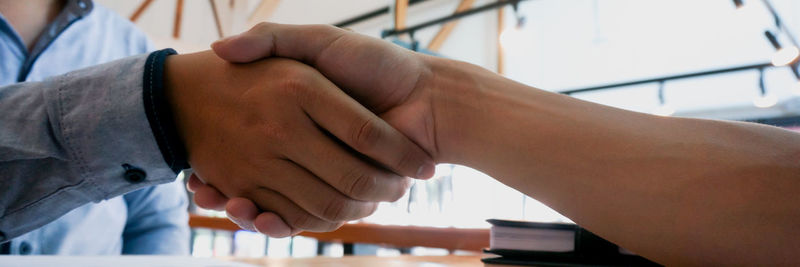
372 261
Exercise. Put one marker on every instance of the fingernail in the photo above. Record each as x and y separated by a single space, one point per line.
426 171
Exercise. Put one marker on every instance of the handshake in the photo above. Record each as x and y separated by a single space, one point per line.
301 128
314 128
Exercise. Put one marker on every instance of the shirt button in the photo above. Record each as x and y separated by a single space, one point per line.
134 174
25 248
82 4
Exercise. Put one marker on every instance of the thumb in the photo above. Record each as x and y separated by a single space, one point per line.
304 43
374 72
241 48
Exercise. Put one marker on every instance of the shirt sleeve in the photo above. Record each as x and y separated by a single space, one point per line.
157 221
76 138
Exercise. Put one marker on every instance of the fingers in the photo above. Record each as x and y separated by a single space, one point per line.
294 216
315 196
194 183
206 196
375 72
242 212
343 170
271 224
365 132
269 39
246 215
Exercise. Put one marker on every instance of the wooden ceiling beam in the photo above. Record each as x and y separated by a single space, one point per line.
400 14
139 10
441 36
501 63
215 11
176 28
229 16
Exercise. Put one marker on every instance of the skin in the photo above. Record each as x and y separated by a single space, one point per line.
676 190
289 140
279 133
27 17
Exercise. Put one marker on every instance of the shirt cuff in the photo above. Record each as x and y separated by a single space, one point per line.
82 136
159 114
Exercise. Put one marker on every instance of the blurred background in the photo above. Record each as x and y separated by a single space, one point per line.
719 59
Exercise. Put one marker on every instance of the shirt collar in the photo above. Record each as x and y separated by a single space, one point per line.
73 10
78 8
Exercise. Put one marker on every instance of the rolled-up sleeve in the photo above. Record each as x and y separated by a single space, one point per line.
76 138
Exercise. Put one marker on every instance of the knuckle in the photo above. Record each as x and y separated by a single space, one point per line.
303 222
297 81
406 161
367 135
373 206
250 192
360 184
261 26
401 190
338 209
280 129
307 222
274 127
275 132
319 28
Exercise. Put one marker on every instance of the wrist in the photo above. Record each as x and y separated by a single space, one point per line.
458 100
195 86
159 112
176 82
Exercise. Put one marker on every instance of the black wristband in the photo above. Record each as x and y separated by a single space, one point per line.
159 114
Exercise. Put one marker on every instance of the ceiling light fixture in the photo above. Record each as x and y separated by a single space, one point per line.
783 55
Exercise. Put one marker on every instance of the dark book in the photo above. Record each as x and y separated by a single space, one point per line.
554 244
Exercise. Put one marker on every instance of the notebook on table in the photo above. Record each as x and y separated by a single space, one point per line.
554 244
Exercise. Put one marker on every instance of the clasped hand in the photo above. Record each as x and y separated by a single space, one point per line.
286 149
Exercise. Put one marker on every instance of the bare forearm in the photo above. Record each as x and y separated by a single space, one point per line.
680 191
676 190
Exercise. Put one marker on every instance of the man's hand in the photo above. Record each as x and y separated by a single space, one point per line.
684 191
265 131
380 75
241 211
390 81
